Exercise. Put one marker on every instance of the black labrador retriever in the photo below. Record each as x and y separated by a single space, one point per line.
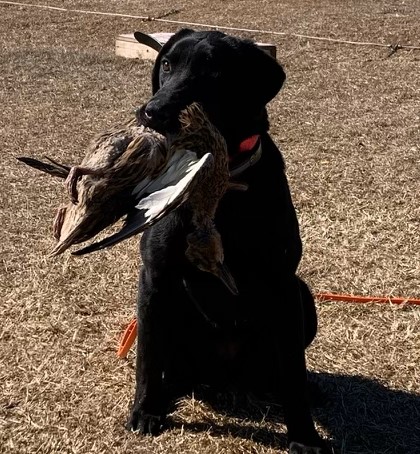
191 329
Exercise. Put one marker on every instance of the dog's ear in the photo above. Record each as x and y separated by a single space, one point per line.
257 73
171 41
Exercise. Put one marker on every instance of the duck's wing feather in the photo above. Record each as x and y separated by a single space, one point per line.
157 198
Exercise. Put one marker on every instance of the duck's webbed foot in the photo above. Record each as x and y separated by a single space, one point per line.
76 172
58 222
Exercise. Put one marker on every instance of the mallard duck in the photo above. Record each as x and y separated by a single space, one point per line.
130 170
198 178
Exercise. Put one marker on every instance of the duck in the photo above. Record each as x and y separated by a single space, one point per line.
197 175
133 171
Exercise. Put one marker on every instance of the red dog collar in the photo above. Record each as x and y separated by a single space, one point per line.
251 146
248 144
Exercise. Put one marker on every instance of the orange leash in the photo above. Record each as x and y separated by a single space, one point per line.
365 299
127 339
130 333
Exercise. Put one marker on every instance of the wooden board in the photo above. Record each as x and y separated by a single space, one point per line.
127 46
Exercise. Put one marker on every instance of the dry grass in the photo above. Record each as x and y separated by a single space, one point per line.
348 124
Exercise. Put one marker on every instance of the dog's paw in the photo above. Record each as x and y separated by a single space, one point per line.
145 424
299 448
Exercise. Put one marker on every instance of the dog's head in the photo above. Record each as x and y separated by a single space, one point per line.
230 77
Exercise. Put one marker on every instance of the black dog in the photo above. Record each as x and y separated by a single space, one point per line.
191 329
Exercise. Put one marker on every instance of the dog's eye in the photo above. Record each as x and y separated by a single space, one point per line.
166 66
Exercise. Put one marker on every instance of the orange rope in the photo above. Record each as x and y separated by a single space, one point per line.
365 299
127 339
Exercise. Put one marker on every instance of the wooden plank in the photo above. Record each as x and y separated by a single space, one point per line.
127 46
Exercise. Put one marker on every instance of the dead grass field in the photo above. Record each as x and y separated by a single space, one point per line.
348 122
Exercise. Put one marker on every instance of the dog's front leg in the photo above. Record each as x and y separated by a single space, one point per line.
302 436
150 401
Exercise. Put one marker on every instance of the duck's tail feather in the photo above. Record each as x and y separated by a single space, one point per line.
52 167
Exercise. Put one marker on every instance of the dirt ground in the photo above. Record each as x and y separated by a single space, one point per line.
348 123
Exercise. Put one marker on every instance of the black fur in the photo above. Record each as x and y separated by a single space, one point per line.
191 329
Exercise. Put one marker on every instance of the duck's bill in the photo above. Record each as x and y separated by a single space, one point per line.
226 277
158 198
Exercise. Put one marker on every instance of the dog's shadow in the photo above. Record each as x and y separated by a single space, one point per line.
360 415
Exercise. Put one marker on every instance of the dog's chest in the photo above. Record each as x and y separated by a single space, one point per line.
228 349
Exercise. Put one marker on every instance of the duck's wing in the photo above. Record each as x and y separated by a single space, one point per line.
51 167
157 198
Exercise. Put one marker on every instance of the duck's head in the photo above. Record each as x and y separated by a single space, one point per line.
205 251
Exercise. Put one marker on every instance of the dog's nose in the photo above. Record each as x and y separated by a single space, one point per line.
150 111
154 116
146 114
